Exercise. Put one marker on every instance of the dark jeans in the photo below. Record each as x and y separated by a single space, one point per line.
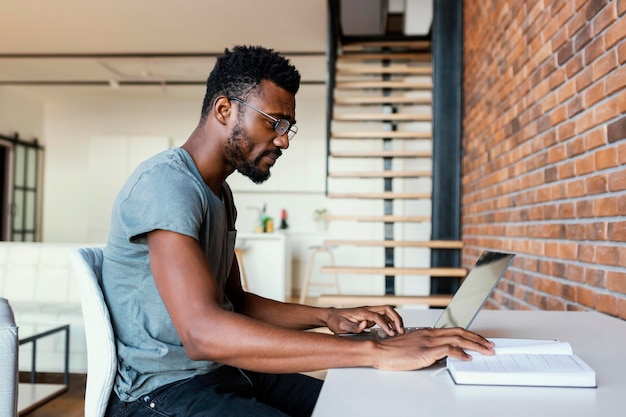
226 392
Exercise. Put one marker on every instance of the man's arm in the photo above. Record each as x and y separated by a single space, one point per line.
301 317
208 332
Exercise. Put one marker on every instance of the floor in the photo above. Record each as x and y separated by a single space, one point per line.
68 404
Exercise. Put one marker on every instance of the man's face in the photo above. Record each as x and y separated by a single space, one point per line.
253 145
239 146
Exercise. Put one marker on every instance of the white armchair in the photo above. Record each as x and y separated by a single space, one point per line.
101 351
9 349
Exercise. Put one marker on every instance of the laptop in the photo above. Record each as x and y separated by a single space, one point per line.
472 294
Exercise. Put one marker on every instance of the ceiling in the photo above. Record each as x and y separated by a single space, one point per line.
67 48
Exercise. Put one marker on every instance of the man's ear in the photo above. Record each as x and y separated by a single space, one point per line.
222 109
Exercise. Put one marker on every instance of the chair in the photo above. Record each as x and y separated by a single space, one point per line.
313 251
9 350
101 351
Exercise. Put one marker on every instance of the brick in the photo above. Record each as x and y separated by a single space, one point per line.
621 7
621 153
584 79
604 19
582 38
584 208
566 131
585 122
574 65
575 106
595 138
616 131
596 231
593 7
585 165
606 158
575 231
607 304
616 81
604 65
617 181
566 91
576 23
586 253
615 33
566 171
607 255
575 147
606 207
617 231
597 184
616 281
594 94
606 110
586 297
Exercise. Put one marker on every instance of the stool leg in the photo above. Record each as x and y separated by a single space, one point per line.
307 276
332 263
242 270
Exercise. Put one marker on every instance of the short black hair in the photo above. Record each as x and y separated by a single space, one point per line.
240 71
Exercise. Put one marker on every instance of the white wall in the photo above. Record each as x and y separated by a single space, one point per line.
21 114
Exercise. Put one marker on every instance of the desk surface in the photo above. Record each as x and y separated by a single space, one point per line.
598 339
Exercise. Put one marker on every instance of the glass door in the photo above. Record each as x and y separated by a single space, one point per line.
25 190
20 179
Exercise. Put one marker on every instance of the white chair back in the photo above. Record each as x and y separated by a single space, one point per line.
9 349
101 352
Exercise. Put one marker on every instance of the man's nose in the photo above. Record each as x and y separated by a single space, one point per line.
282 141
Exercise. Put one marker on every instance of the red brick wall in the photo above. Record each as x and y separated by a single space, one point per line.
544 144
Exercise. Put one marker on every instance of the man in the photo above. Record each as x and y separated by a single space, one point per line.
190 341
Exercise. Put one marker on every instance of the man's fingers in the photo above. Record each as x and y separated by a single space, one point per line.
458 338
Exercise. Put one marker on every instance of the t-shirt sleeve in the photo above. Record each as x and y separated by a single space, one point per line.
162 198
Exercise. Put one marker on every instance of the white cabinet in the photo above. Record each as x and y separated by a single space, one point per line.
267 263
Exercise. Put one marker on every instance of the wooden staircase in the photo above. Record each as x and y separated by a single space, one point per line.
379 170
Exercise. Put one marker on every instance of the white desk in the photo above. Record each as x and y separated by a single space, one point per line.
599 339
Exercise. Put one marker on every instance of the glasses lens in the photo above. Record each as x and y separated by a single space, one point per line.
282 126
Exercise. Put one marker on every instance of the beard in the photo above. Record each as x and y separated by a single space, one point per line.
238 146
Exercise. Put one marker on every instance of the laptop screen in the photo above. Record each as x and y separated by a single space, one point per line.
475 290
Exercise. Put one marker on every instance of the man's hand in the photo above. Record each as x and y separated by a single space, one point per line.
355 320
424 347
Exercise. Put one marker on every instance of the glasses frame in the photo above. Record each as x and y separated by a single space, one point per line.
290 130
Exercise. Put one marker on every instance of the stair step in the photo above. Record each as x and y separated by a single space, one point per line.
381 154
405 44
381 196
410 85
435 300
388 271
392 134
374 219
382 117
392 56
382 100
379 174
381 69
432 244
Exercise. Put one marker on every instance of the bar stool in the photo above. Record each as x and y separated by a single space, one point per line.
239 252
313 251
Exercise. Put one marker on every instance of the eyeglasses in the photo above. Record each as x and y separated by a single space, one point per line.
281 126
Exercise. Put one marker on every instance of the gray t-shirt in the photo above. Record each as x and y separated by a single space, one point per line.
165 192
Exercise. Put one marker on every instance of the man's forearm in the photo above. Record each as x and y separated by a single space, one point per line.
288 315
